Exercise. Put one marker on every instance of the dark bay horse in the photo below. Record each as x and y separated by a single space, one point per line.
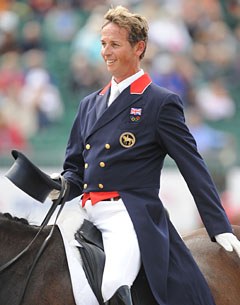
50 280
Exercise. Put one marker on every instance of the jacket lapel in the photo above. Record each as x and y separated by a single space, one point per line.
98 106
129 96
101 104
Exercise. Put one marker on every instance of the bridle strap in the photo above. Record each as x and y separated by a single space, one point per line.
60 201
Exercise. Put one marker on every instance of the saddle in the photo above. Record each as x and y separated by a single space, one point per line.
93 257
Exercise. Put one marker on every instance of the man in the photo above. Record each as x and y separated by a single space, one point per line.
114 157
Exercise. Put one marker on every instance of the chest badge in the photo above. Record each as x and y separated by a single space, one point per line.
135 114
127 139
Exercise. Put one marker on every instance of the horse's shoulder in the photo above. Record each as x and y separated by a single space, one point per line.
200 244
196 235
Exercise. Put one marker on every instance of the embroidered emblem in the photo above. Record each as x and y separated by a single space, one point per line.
136 111
135 114
134 118
127 139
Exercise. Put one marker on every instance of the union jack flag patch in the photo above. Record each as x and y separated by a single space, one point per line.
136 111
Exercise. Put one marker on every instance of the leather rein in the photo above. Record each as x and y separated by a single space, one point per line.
60 201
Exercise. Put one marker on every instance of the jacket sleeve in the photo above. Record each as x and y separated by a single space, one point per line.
179 144
73 167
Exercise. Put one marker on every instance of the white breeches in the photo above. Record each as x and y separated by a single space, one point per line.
120 242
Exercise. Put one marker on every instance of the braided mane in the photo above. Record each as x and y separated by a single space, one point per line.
14 218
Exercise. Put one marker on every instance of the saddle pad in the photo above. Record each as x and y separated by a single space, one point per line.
82 291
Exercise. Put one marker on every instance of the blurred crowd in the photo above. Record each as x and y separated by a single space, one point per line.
193 50
50 58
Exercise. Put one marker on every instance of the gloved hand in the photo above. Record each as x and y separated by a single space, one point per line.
229 242
54 194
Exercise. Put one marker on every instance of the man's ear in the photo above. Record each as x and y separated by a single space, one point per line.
140 47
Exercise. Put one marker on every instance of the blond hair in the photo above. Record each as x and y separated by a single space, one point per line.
135 24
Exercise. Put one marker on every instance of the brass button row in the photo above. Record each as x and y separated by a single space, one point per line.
101 164
107 146
100 185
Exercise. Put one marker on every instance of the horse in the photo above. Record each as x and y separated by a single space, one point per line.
50 281
220 268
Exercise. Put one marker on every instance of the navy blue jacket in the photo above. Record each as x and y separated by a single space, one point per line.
123 150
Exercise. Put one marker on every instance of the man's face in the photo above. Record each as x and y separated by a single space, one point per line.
121 57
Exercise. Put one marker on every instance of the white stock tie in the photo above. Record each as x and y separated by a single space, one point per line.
114 94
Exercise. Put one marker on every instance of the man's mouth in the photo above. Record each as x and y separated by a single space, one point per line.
110 62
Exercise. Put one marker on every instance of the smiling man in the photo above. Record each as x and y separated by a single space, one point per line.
116 150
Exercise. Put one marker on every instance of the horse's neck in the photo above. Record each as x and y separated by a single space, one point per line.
14 236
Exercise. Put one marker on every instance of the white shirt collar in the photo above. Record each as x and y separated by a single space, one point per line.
127 82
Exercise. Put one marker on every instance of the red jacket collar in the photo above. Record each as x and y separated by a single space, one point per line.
137 87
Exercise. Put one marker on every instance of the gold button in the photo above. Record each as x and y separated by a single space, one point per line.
100 186
107 146
102 164
85 186
88 146
86 165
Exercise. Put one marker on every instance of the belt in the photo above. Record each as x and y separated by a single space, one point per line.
100 196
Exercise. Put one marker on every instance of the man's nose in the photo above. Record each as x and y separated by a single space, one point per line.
107 50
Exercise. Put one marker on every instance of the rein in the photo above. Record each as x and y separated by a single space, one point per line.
60 201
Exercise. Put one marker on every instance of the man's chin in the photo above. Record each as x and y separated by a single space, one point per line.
110 69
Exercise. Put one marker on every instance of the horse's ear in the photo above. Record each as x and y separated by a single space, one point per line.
29 178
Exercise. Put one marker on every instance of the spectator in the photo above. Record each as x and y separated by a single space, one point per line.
41 7
210 141
214 101
175 73
11 83
40 95
9 22
31 37
169 32
11 74
61 22
87 40
34 58
10 136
